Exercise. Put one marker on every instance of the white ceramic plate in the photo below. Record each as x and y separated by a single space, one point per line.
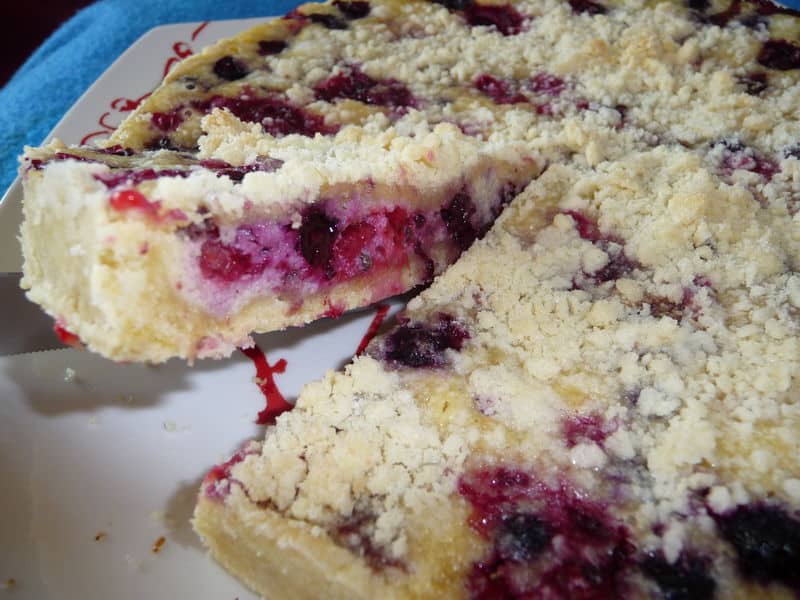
92 449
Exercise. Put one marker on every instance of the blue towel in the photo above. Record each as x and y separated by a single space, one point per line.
55 76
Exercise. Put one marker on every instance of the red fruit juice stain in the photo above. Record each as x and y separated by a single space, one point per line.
125 200
377 320
67 337
276 403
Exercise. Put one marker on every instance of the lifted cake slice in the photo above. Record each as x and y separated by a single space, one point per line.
598 400
161 254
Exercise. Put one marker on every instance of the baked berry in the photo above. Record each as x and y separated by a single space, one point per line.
767 542
685 579
328 21
420 345
230 68
166 121
502 91
504 17
221 261
317 235
521 537
547 84
587 7
781 55
270 47
353 9
275 114
457 216
353 83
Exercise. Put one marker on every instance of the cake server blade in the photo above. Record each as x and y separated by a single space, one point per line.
10 220
25 327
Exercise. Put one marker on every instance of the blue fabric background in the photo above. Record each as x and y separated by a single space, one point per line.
53 78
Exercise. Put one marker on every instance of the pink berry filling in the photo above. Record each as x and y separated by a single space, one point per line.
332 243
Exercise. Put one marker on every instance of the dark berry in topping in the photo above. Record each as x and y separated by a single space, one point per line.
421 345
504 17
588 7
270 47
767 543
586 428
737 156
230 69
353 83
521 537
685 579
318 233
782 55
457 217
792 151
453 4
619 265
166 121
754 83
699 5
545 83
328 21
353 9
502 91
587 228
664 307
221 261
277 116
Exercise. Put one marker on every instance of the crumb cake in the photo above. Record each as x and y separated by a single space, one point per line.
598 400
351 150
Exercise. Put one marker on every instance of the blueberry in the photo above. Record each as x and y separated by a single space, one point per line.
521 537
328 21
419 345
504 17
268 47
318 233
588 7
457 216
230 69
685 579
782 55
767 542
353 9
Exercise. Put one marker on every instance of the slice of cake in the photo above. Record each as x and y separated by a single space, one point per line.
350 150
598 400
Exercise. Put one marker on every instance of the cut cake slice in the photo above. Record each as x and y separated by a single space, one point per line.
598 400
